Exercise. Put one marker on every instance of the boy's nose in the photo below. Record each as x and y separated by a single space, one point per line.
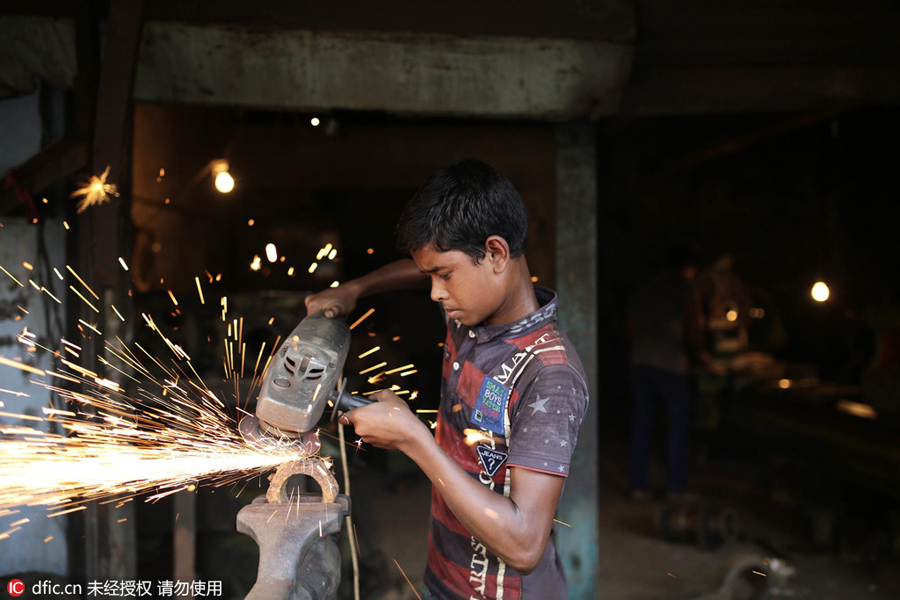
438 293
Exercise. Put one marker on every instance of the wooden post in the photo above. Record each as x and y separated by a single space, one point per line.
103 236
576 284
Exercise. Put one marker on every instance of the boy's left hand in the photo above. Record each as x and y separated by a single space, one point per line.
388 423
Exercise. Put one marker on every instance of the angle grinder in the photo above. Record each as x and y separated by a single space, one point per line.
301 380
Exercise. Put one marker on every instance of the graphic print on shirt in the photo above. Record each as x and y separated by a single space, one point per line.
491 459
490 407
516 365
478 567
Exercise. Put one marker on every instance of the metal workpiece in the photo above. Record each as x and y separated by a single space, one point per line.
315 468
299 557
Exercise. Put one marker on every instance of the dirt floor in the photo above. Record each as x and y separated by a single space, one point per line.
750 528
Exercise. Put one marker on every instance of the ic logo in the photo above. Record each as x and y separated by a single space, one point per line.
15 587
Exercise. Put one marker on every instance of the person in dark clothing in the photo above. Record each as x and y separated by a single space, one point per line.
666 338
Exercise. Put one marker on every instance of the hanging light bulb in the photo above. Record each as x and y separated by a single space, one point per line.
224 181
820 291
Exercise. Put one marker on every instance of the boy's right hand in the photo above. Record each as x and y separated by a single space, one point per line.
388 423
334 302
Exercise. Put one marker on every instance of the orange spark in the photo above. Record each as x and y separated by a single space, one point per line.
95 192
362 318
370 369
370 351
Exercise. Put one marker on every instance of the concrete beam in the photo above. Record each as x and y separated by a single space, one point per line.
404 73
34 46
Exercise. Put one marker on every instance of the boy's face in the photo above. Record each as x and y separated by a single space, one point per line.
469 292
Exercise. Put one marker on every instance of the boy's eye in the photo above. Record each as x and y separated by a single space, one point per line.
445 276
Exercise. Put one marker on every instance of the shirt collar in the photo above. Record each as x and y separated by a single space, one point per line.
548 303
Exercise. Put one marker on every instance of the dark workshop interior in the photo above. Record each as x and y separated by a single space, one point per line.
765 135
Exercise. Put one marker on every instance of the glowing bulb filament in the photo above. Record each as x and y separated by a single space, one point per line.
820 291
224 182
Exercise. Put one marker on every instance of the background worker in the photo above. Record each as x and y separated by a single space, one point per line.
666 338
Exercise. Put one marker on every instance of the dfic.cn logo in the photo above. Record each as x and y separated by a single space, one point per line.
15 587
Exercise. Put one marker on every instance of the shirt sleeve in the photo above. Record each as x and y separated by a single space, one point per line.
545 419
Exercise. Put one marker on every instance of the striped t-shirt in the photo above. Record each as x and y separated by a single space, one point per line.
521 387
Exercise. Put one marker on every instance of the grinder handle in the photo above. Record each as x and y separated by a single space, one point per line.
344 400
348 401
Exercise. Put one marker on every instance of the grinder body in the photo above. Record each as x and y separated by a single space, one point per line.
303 377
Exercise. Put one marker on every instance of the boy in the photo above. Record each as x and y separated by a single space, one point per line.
513 390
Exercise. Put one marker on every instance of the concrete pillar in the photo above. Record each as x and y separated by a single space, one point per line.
576 283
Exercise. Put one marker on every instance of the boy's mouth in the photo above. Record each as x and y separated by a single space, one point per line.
453 313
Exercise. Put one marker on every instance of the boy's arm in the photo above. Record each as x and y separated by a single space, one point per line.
340 301
515 528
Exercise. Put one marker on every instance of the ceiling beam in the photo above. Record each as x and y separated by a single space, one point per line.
401 73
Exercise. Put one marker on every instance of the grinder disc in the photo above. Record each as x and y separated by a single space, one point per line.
305 444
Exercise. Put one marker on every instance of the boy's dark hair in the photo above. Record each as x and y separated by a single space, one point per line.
459 207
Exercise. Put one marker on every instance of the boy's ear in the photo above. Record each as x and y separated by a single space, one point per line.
496 249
